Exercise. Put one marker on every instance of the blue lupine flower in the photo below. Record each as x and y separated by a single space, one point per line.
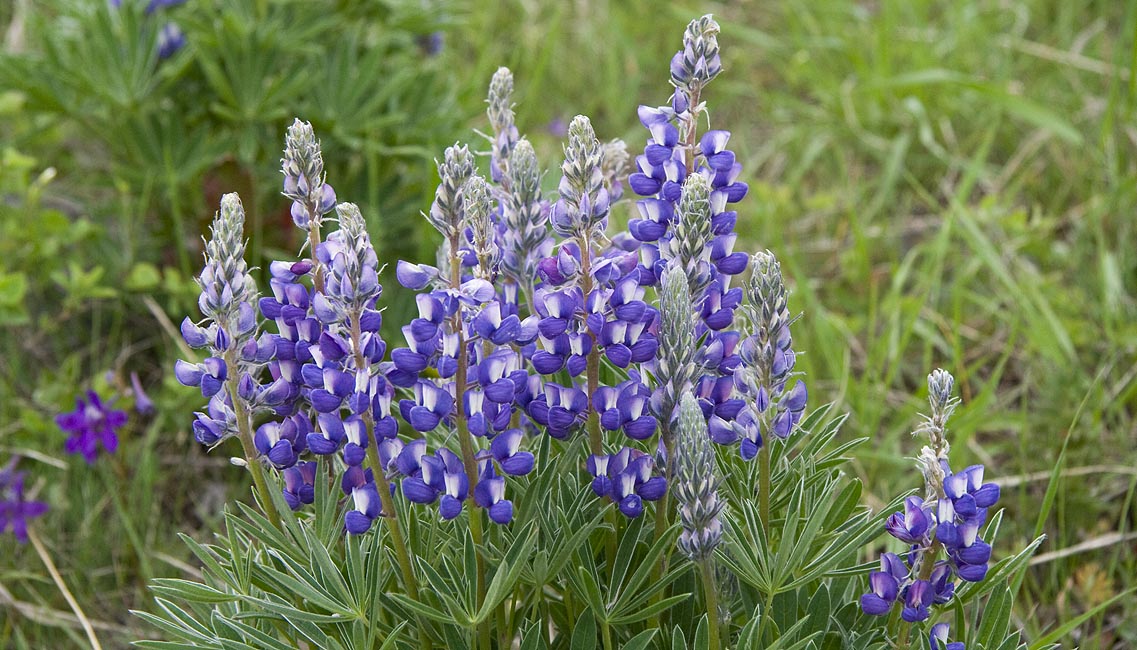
360 485
960 514
505 448
938 638
626 478
142 402
884 585
283 442
561 409
490 494
299 484
917 597
15 509
90 425
911 525
430 405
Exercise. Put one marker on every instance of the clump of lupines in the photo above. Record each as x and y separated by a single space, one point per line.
92 424
948 517
536 323
16 510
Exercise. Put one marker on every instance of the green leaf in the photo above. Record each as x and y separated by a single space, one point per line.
996 617
194 592
584 633
507 574
640 641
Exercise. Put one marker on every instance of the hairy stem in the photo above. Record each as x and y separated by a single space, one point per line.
469 458
764 487
245 434
402 556
711 598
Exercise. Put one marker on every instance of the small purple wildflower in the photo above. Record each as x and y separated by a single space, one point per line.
15 509
91 423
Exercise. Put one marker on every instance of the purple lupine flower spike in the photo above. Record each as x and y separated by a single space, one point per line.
91 425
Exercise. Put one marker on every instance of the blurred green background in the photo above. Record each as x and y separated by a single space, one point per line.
947 183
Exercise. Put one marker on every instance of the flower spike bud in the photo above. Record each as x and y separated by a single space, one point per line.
698 62
303 169
613 165
456 168
500 113
940 386
500 100
689 246
676 339
524 216
477 209
696 484
582 211
227 289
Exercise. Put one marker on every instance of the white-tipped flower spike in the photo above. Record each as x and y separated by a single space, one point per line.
689 246
582 211
613 165
303 169
228 292
526 219
477 209
696 484
676 360
456 168
500 113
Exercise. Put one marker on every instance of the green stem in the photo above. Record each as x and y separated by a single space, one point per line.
313 241
383 486
245 435
469 458
607 632
764 485
710 596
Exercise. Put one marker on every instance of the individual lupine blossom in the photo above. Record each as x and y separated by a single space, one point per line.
170 37
938 638
961 511
696 484
304 181
626 478
15 508
92 424
505 135
766 366
300 484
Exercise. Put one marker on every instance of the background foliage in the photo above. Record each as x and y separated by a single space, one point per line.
946 183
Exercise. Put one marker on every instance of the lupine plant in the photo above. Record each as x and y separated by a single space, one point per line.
584 438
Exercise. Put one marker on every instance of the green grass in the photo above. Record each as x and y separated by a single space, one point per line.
946 183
